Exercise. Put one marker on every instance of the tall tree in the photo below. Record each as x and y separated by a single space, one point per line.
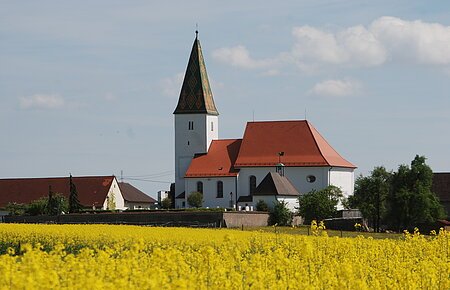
52 203
411 201
74 203
370 195
319 205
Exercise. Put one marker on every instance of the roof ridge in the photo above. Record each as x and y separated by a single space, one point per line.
57 177
277 121
315 142
320 149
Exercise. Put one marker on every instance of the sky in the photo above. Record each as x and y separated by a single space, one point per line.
89 87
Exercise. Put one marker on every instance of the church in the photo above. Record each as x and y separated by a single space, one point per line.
273 161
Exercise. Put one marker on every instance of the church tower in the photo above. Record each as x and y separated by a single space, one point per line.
196 116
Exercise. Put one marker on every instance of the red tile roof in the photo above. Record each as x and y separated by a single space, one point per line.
132 194
441 186
218 161
299 140
91 190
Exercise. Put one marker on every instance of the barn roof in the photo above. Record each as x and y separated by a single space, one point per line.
299 140
132 194
441 186
218 161
92 190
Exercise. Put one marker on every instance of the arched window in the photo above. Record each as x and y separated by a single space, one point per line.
252 184
200 186
219 189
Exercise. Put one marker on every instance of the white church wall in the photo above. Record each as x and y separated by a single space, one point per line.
343 178
297 176
291 202
210 198
193 134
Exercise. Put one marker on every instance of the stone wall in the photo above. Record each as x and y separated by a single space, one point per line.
247 219
157 218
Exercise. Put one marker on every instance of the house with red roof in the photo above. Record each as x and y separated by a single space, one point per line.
274 160
96 192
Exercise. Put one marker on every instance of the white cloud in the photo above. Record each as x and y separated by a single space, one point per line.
41 101
239 56
417 41
385 39
352 46
109 97
336 88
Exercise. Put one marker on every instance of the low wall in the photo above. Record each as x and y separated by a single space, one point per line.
247 219
159 218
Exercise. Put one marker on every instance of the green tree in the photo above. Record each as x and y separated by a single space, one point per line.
15 208
370 195
74 203
195 199
52 203
261 205
319 205
37 207
411 201
280 214
166 203
111 201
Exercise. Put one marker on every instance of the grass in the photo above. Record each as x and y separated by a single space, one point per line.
306 230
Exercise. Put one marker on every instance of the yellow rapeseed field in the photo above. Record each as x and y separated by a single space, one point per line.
132 257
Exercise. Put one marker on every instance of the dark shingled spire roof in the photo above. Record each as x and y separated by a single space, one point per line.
196 96
275 184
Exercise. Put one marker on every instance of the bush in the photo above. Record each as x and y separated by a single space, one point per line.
166 203
195 199
319 205
15 208
55 206
280 214
261 205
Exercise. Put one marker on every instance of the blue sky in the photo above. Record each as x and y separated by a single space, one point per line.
89 88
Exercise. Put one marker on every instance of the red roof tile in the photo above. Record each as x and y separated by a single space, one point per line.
218 161
91 190
299 140
441 186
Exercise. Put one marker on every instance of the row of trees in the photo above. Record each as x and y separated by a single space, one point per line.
398 200
395 200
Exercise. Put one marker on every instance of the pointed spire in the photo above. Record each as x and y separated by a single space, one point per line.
196 96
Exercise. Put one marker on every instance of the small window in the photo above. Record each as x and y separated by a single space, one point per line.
200 186
212 126
191 125
252 181
311 178
219 189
